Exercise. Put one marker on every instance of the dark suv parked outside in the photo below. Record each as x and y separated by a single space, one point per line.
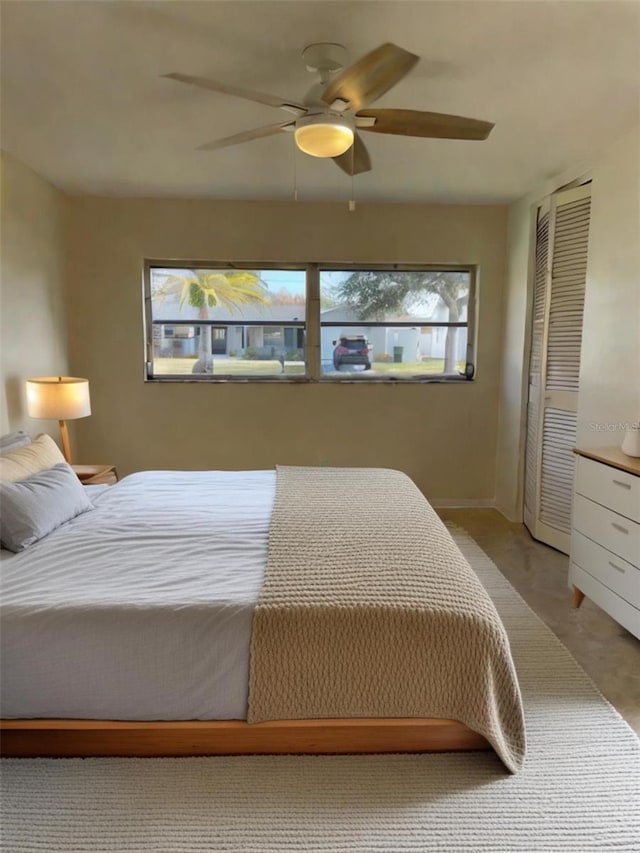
352 349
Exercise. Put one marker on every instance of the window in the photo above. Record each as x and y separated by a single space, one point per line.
232 321
225 322
395 322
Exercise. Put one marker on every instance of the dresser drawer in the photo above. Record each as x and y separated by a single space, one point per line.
608 486
623 612
611 570
612 531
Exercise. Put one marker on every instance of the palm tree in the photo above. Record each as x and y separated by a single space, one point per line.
204 289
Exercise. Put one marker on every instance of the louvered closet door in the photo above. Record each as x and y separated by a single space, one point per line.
560 275
542 272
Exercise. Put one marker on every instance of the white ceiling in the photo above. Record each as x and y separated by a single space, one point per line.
83 103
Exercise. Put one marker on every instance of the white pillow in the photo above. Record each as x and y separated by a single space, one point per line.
13 440
41 454
34 507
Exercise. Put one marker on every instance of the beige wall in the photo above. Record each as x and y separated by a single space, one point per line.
610 360
444 436
32 264
515 343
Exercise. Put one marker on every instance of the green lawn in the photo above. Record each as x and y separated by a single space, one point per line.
427 365
227 367
247 367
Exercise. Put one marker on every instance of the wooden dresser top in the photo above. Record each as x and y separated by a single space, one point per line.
611 456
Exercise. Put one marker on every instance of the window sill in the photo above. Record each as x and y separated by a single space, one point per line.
396 380
227 380
306 380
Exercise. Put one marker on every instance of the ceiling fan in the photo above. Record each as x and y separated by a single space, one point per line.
328 120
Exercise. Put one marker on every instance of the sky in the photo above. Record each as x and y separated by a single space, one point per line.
294 280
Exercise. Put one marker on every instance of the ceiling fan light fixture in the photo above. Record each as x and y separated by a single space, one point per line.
324 135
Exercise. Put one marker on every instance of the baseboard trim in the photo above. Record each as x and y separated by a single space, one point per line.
515 517
462 503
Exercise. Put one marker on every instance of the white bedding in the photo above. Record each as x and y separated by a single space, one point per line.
142 608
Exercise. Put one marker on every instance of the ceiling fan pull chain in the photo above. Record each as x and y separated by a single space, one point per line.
295 170
352 201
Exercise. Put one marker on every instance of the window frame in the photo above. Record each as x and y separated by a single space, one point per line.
149 323
312 323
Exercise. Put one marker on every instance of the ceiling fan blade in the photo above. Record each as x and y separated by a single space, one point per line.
238 92
356 160
428 125
369 78
246 136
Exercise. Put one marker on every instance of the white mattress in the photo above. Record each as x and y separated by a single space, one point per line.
140 609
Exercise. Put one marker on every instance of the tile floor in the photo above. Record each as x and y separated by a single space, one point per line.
609 653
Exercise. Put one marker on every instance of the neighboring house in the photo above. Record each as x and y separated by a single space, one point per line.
282 331
416 342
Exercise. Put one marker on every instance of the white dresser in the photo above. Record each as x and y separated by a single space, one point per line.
605 539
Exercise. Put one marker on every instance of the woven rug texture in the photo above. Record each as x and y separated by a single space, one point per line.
579 790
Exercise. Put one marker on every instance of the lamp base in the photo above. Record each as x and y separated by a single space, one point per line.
66 447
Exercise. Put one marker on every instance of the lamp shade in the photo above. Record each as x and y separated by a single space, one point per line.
323 135
58 397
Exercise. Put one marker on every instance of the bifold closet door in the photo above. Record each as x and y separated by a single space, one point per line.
562 237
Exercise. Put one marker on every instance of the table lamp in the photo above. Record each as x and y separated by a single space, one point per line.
61 398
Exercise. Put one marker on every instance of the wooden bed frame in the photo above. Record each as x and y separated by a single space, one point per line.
72 738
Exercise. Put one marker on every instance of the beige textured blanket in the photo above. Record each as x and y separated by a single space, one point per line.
368 609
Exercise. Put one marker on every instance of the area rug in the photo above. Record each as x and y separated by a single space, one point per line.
580 789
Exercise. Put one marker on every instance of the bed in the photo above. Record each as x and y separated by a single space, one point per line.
234 612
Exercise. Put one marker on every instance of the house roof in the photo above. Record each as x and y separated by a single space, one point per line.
169 309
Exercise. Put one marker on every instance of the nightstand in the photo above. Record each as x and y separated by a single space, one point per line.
94 475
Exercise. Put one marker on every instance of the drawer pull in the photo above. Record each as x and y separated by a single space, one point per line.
617 568
619 527
624 485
